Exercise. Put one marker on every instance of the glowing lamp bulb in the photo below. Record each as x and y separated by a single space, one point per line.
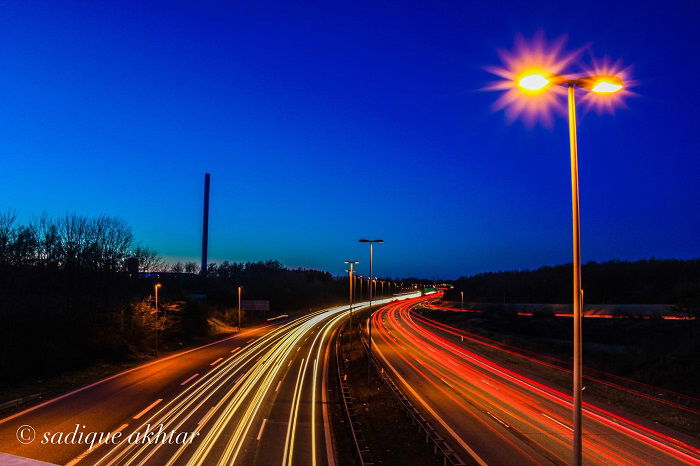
533 82
605 87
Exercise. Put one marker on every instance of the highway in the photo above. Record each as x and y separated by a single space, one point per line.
496 415
254 398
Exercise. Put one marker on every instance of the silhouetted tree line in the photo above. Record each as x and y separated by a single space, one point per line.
285 288
614 282
72 242
68 299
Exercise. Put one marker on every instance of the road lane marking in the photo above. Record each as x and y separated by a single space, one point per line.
188 380
489 384
262 427
206 417
278 385
493 416
432 412
235 349
82 456
560 423
216 362
151 406
330 455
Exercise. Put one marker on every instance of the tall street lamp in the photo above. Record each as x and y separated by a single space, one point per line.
351 272
461 293
155 287
240 291
371 247
538 82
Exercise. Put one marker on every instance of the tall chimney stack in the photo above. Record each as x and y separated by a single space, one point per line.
205 226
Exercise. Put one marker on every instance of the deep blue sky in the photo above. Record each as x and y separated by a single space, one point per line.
324 123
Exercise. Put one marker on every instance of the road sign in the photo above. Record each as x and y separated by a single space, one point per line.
255 304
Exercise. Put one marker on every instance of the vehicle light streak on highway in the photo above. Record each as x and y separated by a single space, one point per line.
224 404
560 365
502 414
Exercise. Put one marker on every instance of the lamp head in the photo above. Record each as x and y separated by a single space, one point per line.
604 85
533 81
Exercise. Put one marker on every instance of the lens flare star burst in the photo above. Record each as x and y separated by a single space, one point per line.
532 68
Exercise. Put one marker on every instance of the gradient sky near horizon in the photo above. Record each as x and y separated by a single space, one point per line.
322 123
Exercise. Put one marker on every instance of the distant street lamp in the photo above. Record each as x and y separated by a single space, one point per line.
155 287
461 293
351 272
240 290
371 245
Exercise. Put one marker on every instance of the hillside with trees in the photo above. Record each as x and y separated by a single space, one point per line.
651 281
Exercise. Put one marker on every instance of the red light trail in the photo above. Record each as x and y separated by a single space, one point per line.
497 412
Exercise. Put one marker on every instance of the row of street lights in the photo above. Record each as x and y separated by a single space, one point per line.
371 243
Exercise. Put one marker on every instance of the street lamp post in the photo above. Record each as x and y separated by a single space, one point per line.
577 292
156 286
240 291
351 272
371 253
461 293
537 82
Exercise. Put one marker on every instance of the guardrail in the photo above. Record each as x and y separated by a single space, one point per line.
363 452
19 401
440 445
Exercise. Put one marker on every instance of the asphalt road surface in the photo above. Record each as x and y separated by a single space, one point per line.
498 416
255 398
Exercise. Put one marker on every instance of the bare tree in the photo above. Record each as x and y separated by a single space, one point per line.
113 240
149 261
73 242
74 237
7 235
48 242
191 267
177 267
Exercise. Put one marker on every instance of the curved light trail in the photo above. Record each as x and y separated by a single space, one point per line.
229 407
656 394
502 416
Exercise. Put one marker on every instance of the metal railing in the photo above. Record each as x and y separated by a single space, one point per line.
363 453
440 445
18 402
